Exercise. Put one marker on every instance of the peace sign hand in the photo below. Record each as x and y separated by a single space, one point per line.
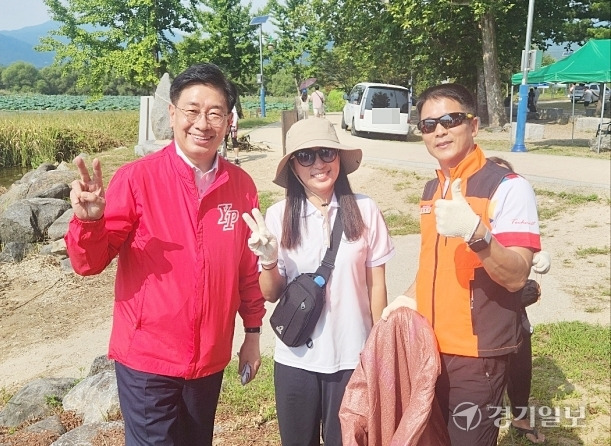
262 242
87 194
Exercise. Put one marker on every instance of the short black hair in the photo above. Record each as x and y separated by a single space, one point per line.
456 92
204 74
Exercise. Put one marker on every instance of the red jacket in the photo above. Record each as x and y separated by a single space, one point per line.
184 266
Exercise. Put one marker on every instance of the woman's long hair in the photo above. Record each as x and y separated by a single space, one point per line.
296 204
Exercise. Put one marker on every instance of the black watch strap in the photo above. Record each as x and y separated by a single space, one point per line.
252 330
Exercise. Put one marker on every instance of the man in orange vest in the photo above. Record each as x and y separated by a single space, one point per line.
480 231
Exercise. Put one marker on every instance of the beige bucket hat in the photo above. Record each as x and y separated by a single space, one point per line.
311 133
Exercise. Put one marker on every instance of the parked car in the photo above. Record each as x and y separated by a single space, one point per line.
377 108
578 91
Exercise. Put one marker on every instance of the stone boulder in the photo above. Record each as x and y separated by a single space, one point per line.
160 115
35 400
28 220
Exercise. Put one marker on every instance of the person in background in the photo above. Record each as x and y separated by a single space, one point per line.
233 130
531 101
318 102
587 97
519 375
479 229
537 94
305 103
310 380
184 269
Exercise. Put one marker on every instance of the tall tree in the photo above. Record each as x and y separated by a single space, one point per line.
130 39
301 39
21 77
224 37
368 43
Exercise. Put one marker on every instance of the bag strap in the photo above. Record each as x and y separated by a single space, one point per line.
327 264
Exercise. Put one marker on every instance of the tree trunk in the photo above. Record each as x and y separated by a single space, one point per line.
482 106
496 110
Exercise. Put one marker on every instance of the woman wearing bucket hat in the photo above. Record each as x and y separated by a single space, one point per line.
310 380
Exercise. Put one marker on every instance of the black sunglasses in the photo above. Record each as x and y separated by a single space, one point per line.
307 157
448 121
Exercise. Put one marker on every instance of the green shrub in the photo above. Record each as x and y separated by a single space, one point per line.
335 101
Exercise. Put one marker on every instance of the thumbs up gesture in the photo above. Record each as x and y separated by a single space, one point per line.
454 217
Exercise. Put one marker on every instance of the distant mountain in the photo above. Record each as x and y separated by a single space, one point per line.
18 45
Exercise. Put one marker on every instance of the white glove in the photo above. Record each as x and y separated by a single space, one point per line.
454 217
262 242
541 262
400 301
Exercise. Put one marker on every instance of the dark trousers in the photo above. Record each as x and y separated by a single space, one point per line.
470 393
519 373
166 411
306 399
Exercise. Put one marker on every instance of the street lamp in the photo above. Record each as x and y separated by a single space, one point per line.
523 94
260 21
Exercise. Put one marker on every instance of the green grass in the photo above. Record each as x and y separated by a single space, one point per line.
266 199
590 251
253 122
550 204
401 224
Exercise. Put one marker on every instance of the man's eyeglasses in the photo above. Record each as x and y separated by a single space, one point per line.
193 115
447 121
307 157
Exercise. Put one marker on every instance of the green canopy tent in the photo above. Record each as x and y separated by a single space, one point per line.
590 63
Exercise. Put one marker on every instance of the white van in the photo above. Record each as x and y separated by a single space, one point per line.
377 108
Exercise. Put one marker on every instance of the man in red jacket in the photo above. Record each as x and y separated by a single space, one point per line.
184 268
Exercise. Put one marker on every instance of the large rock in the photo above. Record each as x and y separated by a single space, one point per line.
59 227
44 182
84 435
35 400
160 115
532 132
28 220
96 398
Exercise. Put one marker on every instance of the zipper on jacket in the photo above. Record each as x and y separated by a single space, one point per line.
434 281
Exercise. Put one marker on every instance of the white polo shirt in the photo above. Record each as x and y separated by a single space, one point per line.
346 321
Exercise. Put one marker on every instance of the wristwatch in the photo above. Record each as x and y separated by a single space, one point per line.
481 243
252 330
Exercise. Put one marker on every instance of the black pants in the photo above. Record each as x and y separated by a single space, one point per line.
304 399
166 411
470 391
519 373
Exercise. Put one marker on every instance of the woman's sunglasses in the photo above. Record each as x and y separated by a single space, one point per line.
307 157
447 121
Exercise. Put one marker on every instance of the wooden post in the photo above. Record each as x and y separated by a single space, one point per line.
289 117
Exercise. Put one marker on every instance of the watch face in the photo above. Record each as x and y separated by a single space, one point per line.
479 245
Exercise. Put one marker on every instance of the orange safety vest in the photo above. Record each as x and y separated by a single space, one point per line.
470 313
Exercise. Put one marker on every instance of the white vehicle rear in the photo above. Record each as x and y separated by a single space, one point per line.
377 108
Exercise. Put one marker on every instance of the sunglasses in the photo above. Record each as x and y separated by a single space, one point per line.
447 121
307 157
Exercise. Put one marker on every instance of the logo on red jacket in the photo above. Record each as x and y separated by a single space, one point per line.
228 216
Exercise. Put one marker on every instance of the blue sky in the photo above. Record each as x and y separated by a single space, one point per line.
16 14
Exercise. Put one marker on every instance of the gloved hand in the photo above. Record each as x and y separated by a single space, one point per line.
454 217
400 301
541 262
262 242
